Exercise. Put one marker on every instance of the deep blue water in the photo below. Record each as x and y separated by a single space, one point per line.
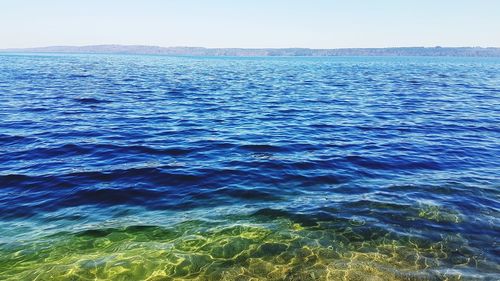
133 167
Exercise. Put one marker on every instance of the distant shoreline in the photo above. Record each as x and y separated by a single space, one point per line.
265 52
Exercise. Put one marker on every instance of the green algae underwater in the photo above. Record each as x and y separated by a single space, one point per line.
270 244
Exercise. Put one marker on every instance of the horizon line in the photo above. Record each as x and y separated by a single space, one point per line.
246 48
437 51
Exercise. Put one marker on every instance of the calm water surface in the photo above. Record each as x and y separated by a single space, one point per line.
162 168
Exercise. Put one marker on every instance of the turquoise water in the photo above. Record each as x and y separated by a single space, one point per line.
173 168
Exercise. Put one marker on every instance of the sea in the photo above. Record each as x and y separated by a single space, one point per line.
143 167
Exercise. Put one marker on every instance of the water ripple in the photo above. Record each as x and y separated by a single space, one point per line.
163 168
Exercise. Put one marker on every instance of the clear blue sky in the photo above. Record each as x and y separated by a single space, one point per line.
251 23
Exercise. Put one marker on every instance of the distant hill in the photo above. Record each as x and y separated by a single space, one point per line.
198 51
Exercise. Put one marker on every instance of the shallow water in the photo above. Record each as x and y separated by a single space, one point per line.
169 168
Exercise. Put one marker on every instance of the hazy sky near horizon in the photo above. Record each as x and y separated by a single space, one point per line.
252 23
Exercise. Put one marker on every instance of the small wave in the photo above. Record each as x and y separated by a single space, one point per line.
250 194
129 196
90 100
6 140
14 180
262 148
104 151
78 76
393 164
65 150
